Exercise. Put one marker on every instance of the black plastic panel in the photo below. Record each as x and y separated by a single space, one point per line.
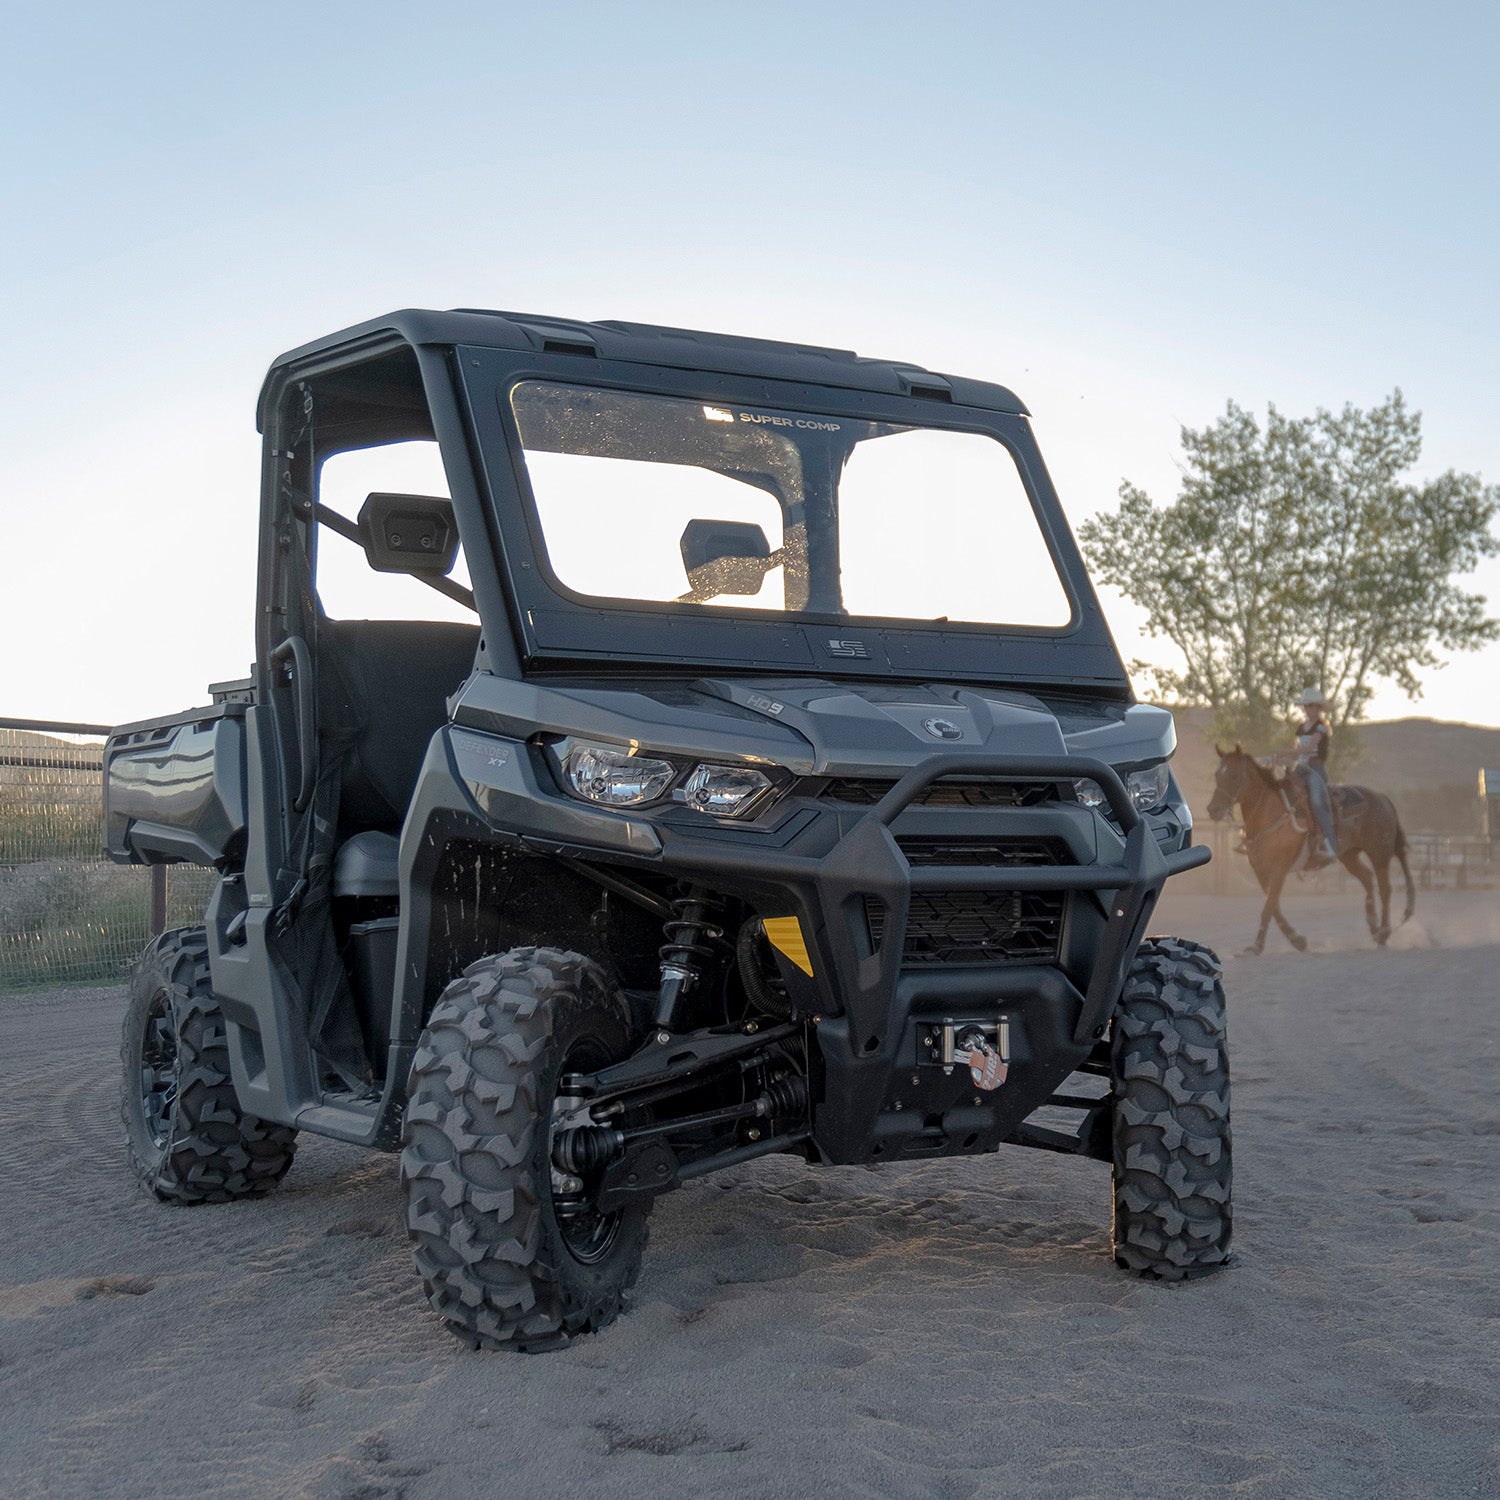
174 788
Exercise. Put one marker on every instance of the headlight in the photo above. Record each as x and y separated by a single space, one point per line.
616 778
726 791
1148 788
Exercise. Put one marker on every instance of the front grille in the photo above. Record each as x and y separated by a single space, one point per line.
993 851
975 927
866 791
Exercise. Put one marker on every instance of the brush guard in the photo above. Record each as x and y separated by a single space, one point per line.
868 861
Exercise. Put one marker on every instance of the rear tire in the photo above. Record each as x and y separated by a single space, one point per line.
1170 1065
500 1266
187 1138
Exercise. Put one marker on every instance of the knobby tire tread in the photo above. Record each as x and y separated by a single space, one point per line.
216 1152
1173 1215
474 1159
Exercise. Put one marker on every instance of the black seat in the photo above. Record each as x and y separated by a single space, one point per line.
399 675
368 865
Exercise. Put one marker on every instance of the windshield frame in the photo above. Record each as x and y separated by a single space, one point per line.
561 627
800 479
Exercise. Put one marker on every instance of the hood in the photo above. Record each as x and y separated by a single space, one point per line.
816 728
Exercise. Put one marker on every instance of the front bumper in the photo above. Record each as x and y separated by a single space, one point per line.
825 869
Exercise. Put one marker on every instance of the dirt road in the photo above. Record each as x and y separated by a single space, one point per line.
947 1332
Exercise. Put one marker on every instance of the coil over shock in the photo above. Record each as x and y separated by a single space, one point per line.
694 939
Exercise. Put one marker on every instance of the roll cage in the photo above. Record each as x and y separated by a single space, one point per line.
448 377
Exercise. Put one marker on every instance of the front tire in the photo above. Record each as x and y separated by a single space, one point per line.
1170 1066
501 1266
186 1136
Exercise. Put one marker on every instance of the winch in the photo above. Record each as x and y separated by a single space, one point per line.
983 1046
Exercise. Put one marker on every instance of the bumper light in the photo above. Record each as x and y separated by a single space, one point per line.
726 791
1090 793
616 778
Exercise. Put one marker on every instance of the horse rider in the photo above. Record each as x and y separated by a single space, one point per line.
1310 762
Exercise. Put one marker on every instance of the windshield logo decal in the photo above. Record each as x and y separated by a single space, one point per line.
854 649
942 729
772 419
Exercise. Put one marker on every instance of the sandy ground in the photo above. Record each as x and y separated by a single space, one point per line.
950 1331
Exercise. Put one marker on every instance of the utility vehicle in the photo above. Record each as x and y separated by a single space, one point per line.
662 750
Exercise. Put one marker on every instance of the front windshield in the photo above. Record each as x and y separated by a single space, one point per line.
662 499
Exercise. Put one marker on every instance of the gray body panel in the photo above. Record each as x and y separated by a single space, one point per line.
174 788
818 727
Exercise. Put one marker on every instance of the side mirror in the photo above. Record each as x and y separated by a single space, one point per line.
725 557
409 534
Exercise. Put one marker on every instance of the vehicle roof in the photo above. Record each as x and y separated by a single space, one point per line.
679 348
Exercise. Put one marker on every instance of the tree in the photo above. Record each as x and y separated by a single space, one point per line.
1297 554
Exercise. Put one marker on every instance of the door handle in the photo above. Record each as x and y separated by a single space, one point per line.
295 648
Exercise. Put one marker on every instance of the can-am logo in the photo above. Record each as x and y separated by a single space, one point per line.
855 649
942 729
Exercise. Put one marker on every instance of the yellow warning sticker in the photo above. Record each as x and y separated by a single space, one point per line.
785 935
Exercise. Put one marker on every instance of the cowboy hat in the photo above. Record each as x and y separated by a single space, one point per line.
1312 695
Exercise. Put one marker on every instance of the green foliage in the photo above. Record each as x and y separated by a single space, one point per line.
1296 554
48 820
66 916
74 921
69 923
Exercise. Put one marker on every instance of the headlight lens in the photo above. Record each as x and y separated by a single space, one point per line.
616 778
724 790
1148 788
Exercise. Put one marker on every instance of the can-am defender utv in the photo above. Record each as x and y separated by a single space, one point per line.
761 778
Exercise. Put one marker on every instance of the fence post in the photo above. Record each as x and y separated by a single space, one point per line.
158 900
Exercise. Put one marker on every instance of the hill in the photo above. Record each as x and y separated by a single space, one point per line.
1429 767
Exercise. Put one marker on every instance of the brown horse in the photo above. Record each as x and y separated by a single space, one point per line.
1366 821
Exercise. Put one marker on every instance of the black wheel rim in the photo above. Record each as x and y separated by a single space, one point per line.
588 1233
159 1072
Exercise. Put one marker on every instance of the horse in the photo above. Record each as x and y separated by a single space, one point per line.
1367 823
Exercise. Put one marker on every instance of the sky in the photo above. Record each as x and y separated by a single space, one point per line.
1130 215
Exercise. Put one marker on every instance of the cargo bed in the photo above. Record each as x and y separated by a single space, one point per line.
174 788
